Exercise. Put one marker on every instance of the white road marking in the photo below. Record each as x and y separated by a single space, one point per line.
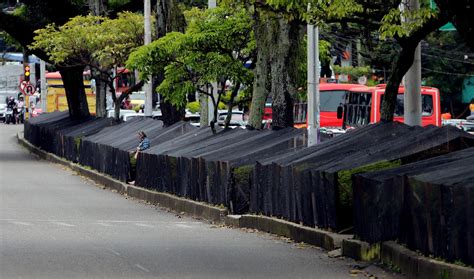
21 223
104 224
142 268
114 252
144 225
63 224
184 226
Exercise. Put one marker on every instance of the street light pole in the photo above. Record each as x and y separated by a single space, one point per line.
43 85
149 85
210 104
313 85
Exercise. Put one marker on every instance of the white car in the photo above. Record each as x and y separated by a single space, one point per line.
237 118
3 110
111 113
128 117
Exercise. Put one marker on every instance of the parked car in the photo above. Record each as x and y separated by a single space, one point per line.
193 119
129 116
111 112
3 111
237 118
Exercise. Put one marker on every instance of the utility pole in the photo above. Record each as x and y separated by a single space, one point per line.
44 88
210 105
207 106
313 84
412 96
149 85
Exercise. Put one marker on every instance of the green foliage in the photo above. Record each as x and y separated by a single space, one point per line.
215 46
353 72
91 40
194 107
393 26
320 10
344 178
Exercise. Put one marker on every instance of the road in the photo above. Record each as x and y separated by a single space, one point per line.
55 224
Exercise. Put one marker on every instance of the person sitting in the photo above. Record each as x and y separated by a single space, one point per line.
144 144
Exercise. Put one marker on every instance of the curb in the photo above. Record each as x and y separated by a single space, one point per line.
327 240
409 263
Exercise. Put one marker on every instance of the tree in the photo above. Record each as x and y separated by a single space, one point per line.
384 15
98 42
36 14
215 46
169 18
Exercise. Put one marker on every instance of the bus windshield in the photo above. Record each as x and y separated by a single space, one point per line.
331 99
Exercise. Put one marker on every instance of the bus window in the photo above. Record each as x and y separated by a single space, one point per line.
426 105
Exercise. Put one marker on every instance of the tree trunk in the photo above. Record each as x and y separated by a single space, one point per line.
76 95
278 41
97 7
204 110
261 86
169 18
100 93
404 61
400 67
284 71
235 91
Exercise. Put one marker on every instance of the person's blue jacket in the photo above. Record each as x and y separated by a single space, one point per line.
144 144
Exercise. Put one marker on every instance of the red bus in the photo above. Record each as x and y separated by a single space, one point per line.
332 95
362 106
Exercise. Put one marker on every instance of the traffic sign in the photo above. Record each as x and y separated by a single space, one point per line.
27 88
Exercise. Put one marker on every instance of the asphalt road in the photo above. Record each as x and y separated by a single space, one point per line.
55 224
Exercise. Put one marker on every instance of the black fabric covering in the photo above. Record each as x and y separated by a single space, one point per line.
428 205
304 187
108 151
41 131
213 168
69 139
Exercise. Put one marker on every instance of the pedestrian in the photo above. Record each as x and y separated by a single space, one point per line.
471 108
144 144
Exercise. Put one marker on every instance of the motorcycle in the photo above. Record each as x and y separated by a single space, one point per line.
9 117
21 115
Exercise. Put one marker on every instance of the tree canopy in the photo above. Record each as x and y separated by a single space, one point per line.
216 45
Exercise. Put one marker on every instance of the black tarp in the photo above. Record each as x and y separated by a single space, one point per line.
213 168
428 205
313 186
41 131
108 151
69 139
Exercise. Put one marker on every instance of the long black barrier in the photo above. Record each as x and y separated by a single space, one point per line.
213 168
427 205
41 131
272 173
314 186
108 151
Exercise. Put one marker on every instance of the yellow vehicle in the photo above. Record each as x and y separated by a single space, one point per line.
56 97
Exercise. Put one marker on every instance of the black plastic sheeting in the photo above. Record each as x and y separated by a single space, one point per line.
425 199
108 151
213 168
308 187
69 139
428 205
41 131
